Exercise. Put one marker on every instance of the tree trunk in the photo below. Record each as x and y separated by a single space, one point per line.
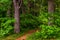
50 11
29 6
8 12
23 8
16 16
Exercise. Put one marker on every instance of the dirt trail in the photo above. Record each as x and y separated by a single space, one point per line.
26 35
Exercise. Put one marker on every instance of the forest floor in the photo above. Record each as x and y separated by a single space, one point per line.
23 37
20 36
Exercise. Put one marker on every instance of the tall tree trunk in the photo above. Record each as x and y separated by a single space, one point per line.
29 6
16 16
50 11
8 12
23 8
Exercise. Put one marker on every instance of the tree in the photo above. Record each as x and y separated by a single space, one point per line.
50 11
16 16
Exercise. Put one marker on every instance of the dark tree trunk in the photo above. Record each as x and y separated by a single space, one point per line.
50 11
8 12
23 8
29 6
16 16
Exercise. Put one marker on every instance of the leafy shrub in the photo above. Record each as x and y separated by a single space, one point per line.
6 26
57 19
28 21
43 17
46 32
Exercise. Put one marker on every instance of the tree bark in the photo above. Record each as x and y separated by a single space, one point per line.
50 11
16 16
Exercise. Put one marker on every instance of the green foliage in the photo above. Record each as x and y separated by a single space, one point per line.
43 17
46 32
49 31
5 4
29 21
57 19
6 26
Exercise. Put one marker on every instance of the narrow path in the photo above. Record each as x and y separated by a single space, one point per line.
26 35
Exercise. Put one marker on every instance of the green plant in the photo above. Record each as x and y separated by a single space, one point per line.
6 26
28 21
57 19
46 32
49 31
43 17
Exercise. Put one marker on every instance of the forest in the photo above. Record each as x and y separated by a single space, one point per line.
29 19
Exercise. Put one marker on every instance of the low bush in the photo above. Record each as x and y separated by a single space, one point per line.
6 26
46 32
28 21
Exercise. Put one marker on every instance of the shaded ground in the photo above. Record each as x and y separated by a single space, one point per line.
23 37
